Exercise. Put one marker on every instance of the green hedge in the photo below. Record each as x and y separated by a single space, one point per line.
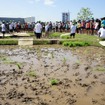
76 43
8 42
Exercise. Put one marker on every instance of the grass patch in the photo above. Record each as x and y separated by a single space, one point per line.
8 42
89 39
80 40
55 35
31 33
65 37
100 69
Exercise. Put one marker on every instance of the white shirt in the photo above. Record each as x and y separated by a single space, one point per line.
38 28
53 25
96 25
73 29
14 25
102 31
3 27
10 27
46 27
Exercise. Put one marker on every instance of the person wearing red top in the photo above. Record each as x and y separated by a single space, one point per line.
83 27
26 27
87 27
92 26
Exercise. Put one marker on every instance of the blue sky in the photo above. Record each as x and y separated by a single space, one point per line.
49 10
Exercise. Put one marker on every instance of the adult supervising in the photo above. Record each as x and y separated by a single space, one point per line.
38 30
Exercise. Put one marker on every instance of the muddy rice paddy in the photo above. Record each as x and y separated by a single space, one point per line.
26 75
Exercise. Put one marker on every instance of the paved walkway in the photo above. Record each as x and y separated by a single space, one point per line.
102 43
15 34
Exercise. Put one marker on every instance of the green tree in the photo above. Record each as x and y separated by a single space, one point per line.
84 14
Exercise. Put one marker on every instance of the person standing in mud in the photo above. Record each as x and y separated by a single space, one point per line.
38 30
73 30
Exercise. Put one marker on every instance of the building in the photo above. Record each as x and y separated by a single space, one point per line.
65 17
6 19
21 20
29 19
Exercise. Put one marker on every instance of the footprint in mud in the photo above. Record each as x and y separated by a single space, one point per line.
7 103
103 99
71 101
89 88
95 77
3 80
14 94
43 103
103 81
78 79
93 82
76 74
88 74
27 99
83 84
94 101
87 68
76 66
33 88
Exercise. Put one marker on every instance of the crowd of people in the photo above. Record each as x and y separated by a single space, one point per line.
91 27
11 27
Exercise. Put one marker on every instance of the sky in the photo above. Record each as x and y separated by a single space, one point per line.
49 10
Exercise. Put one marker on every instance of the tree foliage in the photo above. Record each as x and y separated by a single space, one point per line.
84 14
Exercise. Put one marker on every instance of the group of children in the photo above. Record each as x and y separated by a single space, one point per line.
12 26
91 27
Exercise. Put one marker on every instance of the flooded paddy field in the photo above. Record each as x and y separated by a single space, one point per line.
52 75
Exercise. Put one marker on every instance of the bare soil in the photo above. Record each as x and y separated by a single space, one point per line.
26 74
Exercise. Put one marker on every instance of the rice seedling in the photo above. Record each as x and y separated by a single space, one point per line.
31 73
54 82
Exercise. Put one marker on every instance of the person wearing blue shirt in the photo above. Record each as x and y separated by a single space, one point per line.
103 21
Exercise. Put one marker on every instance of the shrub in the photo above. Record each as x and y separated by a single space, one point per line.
75 43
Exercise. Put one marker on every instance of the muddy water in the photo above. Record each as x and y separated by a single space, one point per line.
80 73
